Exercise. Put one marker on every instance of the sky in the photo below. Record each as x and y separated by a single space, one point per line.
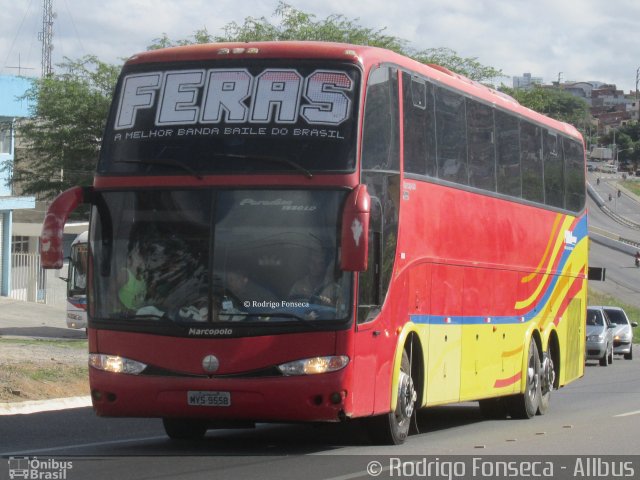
570 40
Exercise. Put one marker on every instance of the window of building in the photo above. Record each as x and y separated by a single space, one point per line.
19 244
5 138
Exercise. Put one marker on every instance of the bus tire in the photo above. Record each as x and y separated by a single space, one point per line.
184 429
525 405
393 427
547 381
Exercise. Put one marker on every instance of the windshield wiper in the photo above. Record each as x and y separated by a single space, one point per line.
311 322
164 162
268 158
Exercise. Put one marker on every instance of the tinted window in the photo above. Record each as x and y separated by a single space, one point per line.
451 136
574 175
530 149
553 170
595 318
617 317
419 122
482 165
380 145
508 154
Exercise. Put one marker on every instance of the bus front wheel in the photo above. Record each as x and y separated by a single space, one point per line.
184 429
393 428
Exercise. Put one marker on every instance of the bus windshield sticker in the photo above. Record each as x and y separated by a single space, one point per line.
219 101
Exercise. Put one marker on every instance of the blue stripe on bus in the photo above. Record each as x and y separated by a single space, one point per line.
462 320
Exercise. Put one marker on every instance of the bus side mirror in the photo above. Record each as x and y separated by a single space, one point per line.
51 249
355 231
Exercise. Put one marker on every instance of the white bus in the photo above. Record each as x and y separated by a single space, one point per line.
77 283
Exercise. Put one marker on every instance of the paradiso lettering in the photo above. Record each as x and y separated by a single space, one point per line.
217 101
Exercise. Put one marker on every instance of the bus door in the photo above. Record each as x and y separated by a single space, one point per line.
370 326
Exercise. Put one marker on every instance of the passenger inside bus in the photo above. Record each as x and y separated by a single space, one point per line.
162 271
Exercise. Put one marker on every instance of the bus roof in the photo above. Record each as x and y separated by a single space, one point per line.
364 55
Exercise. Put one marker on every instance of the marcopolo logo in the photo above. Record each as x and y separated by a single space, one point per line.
33 468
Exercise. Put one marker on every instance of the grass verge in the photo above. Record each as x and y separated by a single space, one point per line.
42 369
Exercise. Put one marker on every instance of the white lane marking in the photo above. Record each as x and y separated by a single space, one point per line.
81 445
628 414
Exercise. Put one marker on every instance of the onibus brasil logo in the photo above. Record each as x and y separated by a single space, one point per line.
32 468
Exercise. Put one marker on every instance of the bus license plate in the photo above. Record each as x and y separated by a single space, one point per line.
209 399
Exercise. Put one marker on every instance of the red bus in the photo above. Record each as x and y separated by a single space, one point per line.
308 231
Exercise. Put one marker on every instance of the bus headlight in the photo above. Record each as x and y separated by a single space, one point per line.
115 364
313 366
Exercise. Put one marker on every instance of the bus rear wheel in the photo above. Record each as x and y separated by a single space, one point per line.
547 381
184 429
525 405
393 428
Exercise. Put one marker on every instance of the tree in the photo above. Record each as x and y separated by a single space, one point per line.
554 103
470 67
297 25
62 140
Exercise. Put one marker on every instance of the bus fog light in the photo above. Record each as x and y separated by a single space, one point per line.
115 364
313 366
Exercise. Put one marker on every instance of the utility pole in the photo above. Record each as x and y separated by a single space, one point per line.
46 37
637 80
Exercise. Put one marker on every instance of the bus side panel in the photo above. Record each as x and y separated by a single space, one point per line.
572 313
445 335
489 343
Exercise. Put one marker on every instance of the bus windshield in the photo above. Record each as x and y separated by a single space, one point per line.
235 117
195 256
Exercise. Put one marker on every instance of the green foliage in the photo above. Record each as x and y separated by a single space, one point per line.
63 141
469 67
554 103
627 140
294 24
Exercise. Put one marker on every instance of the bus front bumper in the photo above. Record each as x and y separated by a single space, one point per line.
308 398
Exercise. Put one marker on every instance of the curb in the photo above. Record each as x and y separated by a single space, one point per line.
38 406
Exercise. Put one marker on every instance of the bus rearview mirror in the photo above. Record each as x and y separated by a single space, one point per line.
355 230
51 246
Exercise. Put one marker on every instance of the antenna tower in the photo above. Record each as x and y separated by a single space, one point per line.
46 36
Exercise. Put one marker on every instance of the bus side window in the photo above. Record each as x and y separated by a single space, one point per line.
370 285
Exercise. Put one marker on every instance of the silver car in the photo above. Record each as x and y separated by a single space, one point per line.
599 336
623 333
